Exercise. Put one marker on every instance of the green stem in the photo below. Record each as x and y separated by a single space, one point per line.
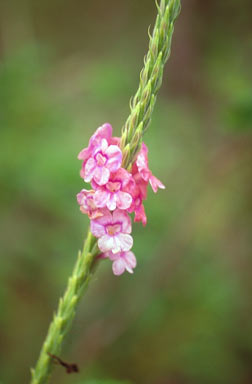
142 106
62 320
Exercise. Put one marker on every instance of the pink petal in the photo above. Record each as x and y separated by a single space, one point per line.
101 175
121 175
83 210
130 260
118 267
114 158
95 214
115 141
111 204
101 197
145 174
124 218
140 215
142 161
124 243
82 173
105 131
85 197
142 189
106 217
104 145
97 228
113 256
156 183
107 243
80 196
124 200
89 169
98 225
84 154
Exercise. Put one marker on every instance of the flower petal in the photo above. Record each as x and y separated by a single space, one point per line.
124 200
118 267
104 145
101 197
115 141
98 225
89 170
123 242
81 196
107 243
130 260
124 218
106 217
114 158
140 215
121 175
113 256
97 229
84 154
104 132
101 175
156 183
111 204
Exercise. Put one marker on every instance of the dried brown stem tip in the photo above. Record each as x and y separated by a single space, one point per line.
70 368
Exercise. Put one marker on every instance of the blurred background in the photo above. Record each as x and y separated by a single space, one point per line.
185 316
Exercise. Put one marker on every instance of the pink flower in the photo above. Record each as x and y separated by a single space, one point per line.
138 191
113 194
101 157
113 231
103 132
122 261
144 171
103 160
87 205
140 215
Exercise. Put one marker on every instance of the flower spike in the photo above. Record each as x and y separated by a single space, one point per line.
116 193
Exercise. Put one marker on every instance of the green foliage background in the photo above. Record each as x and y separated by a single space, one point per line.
185 316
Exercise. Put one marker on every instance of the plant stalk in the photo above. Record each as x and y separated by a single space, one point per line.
141 108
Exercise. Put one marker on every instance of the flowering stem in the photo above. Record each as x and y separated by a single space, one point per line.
142 106
62 320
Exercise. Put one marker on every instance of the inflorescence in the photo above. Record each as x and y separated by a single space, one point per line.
115 193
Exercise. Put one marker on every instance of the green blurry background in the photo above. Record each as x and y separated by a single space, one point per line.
185 316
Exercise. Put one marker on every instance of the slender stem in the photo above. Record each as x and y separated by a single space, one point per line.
62 320
142 106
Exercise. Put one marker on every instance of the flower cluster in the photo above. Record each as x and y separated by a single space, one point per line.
115 193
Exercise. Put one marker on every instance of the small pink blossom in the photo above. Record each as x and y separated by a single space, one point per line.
140 215
114 194
87 205
103 132
113 231
142 166
122 261
103 160
138 192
